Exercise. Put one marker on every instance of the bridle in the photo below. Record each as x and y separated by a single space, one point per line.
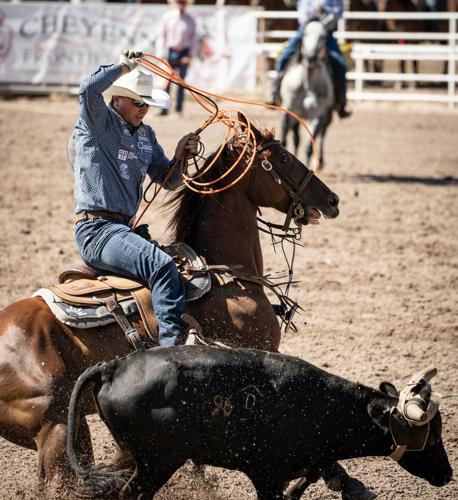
295 209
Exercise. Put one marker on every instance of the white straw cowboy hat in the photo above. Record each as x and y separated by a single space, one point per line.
138 85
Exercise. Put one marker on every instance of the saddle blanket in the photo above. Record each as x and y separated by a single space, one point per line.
89 316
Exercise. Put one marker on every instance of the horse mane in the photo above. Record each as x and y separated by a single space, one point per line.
188 205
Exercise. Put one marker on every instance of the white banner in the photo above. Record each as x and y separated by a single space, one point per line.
60 44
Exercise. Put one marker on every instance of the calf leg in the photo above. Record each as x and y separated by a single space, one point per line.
268 486
337 479
149 478
296 489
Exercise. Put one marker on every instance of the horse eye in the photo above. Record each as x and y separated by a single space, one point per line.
285 158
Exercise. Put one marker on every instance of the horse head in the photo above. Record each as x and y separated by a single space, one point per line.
313 48
279 180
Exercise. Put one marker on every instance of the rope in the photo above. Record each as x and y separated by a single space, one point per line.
234 126
197 93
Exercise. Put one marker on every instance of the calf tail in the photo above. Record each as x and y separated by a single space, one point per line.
99 482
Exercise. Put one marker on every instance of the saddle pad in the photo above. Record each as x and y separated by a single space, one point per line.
82 316
94 315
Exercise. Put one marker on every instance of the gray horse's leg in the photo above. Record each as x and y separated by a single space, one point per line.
314 128
324 124
285 126
296 137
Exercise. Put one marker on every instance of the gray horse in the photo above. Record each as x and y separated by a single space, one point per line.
307 89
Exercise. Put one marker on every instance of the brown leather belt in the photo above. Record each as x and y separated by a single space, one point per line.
124 219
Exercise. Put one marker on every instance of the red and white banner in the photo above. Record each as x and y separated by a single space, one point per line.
59 44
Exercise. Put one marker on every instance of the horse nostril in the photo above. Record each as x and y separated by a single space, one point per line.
333 200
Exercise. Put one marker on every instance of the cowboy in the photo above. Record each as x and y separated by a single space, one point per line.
115 150
178 39
329 12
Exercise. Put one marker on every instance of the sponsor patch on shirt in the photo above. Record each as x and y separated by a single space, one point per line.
132 156
122 154
144 145
124 170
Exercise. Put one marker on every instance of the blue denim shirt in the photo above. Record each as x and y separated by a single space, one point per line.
111 163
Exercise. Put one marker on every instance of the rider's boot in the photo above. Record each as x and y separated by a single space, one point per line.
343 112
341 104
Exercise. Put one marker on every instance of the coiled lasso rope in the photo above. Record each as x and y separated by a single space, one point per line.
234 125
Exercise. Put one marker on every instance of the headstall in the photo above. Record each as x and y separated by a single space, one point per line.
295 210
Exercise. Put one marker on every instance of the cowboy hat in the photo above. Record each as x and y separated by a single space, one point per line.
138 85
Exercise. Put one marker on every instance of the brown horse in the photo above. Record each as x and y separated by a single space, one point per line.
41 358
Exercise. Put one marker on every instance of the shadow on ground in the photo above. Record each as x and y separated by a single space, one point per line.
428 181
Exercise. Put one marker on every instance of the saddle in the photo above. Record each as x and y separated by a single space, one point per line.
85 299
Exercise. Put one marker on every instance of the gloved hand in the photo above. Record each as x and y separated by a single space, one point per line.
130 58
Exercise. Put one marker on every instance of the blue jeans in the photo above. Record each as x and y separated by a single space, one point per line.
174 58
337 62
335 57
109 246
289 50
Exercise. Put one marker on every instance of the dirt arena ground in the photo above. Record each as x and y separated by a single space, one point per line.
379 285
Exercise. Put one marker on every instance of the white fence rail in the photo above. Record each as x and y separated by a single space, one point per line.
365 50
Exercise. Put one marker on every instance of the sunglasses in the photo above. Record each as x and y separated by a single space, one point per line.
139 104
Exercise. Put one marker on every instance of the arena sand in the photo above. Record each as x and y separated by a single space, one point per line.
378 285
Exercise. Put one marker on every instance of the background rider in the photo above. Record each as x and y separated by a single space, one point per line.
329 12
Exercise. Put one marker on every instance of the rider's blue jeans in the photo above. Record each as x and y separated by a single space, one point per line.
107 245
337 61
335 55
289 50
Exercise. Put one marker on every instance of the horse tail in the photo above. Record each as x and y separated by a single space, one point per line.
99 482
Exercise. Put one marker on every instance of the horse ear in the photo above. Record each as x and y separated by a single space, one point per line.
243 124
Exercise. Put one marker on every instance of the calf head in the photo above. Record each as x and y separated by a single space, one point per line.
415 426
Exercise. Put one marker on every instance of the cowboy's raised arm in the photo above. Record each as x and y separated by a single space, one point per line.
93 110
